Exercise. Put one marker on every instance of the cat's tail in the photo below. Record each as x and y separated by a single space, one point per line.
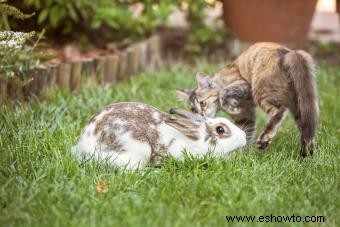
301 69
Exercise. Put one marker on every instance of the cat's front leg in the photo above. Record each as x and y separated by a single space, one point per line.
246 120
233 99
240 91
238 102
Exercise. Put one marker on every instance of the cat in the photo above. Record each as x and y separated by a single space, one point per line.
268 75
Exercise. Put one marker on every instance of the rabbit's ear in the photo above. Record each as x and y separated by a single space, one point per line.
184 94
187 115
187 127
203 80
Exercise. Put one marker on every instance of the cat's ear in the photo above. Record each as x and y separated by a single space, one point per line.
203 80
184 94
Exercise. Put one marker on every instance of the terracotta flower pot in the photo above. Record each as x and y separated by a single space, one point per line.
285 21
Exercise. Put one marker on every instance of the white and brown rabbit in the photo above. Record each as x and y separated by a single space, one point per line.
132 135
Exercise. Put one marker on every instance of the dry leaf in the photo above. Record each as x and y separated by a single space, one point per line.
102 187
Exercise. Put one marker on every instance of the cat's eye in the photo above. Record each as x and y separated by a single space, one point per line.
193 110
203 103
220 130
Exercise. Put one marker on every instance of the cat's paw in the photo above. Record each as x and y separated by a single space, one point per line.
262 143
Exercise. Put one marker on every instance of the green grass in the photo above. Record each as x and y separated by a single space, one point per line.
41 185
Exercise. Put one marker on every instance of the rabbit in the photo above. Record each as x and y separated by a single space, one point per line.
132 135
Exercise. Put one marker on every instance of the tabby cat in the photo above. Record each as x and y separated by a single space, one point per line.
267 75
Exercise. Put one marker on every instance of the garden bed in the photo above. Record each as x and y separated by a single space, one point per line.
110 66
99 68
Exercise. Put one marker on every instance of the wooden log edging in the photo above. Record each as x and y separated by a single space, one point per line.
144 56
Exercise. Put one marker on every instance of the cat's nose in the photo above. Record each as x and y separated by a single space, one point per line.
193 110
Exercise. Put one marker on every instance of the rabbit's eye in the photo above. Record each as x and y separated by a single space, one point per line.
203 103
220 130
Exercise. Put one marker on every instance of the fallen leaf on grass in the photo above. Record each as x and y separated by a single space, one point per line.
102 187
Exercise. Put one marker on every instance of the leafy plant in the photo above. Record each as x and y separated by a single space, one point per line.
114 20
201 36
121 20
15 53
8 10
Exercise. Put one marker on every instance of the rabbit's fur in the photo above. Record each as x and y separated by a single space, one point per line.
132 135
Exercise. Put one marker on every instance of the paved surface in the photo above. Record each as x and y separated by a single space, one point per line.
325 27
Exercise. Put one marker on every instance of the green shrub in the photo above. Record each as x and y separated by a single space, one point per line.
104 21
113 19
201 36
17 58
16 54
8 10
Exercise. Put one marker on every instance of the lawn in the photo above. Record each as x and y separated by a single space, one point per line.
41 185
